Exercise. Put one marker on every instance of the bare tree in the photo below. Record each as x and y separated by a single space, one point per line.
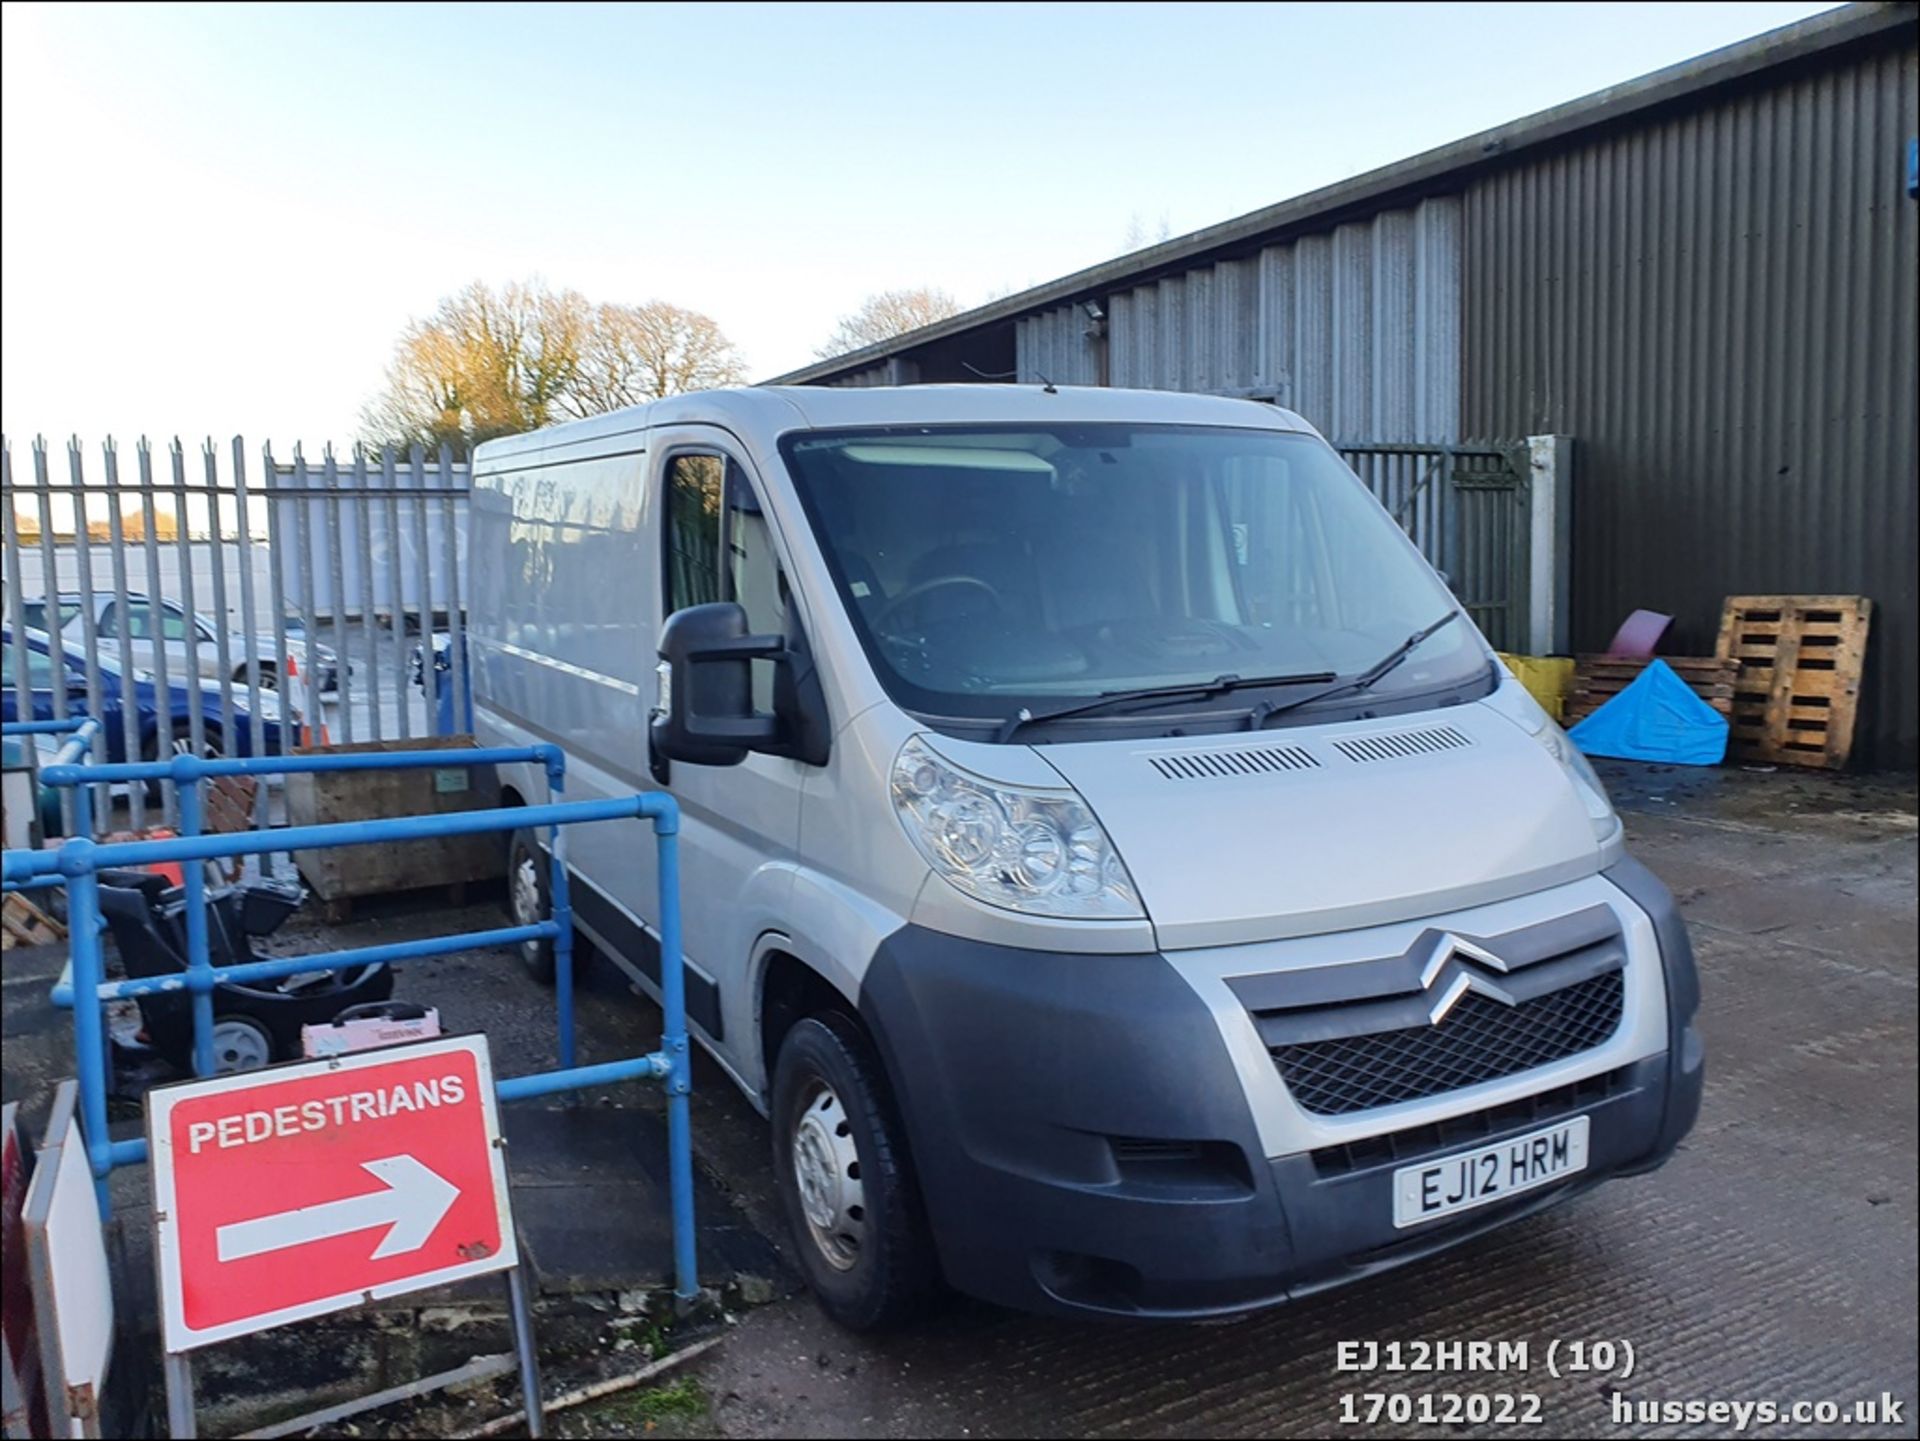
636 353
1140 234
890 313
489 363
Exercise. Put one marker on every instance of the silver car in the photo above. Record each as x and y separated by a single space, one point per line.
190 641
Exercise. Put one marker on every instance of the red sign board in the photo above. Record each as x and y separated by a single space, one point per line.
302 1189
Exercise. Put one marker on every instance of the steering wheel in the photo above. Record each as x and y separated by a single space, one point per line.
933 583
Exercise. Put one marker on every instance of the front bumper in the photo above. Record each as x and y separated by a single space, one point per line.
1084 1144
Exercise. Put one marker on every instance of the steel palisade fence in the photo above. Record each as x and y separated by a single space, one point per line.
364 555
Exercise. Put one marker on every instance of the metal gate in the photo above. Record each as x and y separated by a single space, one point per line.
1467 508
174 596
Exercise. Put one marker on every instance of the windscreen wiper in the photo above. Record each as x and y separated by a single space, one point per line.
1199 690
1366 679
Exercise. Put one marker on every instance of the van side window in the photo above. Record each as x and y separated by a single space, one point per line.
694 488
719 547
753 569
754 576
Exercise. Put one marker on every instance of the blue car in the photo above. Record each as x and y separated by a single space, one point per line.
250 733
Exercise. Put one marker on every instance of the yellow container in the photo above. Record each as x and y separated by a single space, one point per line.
1548 679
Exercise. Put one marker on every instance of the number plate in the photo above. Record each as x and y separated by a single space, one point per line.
1450 1184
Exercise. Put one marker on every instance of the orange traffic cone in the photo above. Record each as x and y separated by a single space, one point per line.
297 701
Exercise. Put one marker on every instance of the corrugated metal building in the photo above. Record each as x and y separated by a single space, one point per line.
1707 277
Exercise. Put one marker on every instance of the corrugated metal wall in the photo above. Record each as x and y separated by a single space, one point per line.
1357 328
880 374
1720 306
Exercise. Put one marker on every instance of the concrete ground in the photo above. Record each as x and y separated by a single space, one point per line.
1773 1259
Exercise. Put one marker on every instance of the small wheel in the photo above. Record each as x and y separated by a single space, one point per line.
269 676
528 900
845 1179
240 1044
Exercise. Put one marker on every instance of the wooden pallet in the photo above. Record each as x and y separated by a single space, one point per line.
230 812
1597 679
1800 660
22 923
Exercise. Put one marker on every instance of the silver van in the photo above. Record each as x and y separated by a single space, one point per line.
1123 876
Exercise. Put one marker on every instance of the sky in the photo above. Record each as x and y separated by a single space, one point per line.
217 219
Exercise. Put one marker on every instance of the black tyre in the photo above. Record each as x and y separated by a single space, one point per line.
180 742
846 1180
529 900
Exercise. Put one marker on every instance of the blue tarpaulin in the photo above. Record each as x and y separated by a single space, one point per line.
1655 719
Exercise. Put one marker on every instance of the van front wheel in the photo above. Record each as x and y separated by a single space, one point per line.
845 1179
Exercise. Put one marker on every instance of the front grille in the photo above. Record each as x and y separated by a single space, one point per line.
1480 1039
1396 1148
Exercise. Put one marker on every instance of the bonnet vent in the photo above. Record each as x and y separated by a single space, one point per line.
1209 765
1398 745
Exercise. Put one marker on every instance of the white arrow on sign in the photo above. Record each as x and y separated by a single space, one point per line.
411 1202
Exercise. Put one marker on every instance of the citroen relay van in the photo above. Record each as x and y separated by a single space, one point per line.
1124 877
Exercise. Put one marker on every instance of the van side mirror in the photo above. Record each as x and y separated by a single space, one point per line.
706 715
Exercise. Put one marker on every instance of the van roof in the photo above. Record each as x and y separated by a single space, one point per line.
778 408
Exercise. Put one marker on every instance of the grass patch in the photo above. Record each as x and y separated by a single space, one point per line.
681 1400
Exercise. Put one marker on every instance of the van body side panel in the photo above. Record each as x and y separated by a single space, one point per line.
558 645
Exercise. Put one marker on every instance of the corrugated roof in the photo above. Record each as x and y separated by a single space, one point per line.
1690 79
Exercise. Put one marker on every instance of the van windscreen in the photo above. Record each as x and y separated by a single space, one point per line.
988 569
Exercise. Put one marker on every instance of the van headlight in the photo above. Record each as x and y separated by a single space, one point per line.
1038 851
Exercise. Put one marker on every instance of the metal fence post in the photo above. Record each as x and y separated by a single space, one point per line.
528 1356
89 624
397 596
50 584
363 513
156 589
124 614
673 994
186 781
89 1026
560 904
456 619
423 578
249 629
217 553
183 541
312 716
1549 555
337 598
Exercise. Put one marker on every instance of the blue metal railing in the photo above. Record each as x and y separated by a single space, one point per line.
78 862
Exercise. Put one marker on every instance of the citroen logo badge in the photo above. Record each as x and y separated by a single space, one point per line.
1455 966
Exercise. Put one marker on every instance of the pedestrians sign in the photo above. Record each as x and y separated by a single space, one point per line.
302 1189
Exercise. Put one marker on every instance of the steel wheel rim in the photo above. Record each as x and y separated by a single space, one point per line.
826 1174
239 1046
526 900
